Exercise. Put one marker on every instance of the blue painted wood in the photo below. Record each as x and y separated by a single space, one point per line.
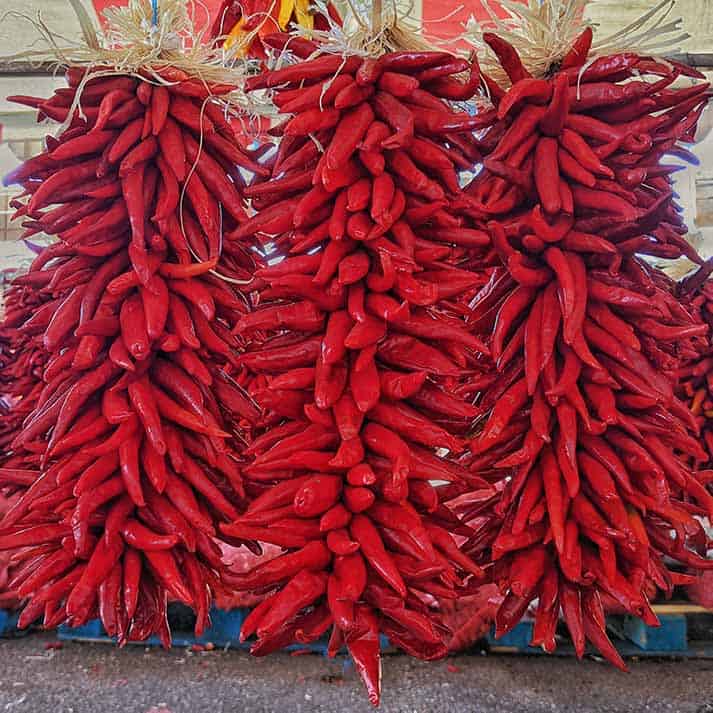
641 640
518 638
225 626
8 622
92 630
671 636
223 632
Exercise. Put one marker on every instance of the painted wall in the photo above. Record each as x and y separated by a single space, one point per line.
443 18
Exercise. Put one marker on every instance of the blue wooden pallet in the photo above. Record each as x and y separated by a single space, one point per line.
223 632
630 636
8 623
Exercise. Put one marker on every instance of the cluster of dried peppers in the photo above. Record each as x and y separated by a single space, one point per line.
119 335
584 431
368 353
22 361
354 346
694 371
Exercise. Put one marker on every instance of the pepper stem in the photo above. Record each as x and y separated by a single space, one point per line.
376 17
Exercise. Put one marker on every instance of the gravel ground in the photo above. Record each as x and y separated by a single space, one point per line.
96 678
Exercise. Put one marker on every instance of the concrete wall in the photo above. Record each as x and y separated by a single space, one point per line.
18 35
697 15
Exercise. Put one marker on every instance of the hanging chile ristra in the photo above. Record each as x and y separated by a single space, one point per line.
584 431
354 346
694 368
127 455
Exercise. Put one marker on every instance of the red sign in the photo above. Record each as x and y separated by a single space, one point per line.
446 19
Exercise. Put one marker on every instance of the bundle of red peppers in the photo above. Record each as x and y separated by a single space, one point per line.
408 386
21 364
695 374
595 446
120 338
354 347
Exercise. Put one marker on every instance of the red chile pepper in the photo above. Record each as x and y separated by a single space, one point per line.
535 91
519 131
579 50
317 495
546 174
577 146
320 94
508 57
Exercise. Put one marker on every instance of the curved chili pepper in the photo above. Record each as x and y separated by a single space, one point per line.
508 57
579 50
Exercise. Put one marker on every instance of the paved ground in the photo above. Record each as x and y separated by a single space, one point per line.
94 678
